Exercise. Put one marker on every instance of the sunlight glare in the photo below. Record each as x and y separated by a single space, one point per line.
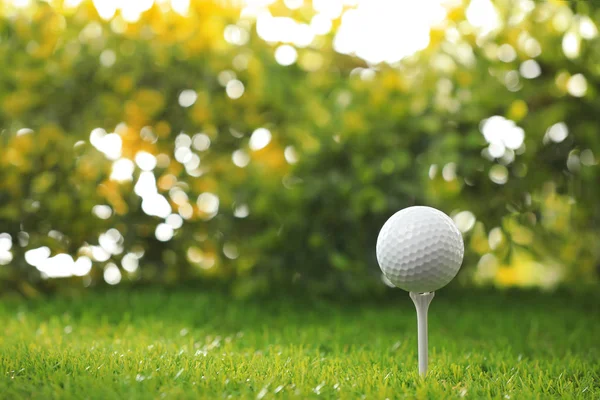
260 138
180 6
146 184
5 257
21 3
502 133
208 203
240 158
175 221
577 85
102 211
241 211
130 262
145 160
320 24
286 55
464 220
112 274
72 3
530 69
36 256
82 266
5 242
290 154
164 232
106 8
122 170
234 89
571 45
329 8
110 144
293 4
387 31
587 28
558 132
156 205
482 15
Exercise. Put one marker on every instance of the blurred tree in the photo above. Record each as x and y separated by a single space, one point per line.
169 144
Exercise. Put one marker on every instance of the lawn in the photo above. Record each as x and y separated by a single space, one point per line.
159 343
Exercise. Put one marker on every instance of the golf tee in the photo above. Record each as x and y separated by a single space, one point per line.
422 301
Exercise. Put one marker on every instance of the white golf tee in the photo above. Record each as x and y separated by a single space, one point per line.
422 301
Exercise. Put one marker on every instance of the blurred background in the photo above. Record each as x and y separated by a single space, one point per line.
260 145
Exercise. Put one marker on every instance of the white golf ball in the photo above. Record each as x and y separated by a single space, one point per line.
419 249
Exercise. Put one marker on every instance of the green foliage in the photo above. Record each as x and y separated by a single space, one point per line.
369 140
132 344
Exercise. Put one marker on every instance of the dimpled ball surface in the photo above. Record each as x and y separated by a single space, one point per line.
419 249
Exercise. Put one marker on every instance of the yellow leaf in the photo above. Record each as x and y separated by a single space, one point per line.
518 110
150 101
18 102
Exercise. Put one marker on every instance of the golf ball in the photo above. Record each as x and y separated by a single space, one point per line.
419 249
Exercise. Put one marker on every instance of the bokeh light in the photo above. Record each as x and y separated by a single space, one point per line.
155 138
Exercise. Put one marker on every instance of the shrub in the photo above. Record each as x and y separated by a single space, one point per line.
160 144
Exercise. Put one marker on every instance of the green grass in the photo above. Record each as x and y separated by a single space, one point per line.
185 344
